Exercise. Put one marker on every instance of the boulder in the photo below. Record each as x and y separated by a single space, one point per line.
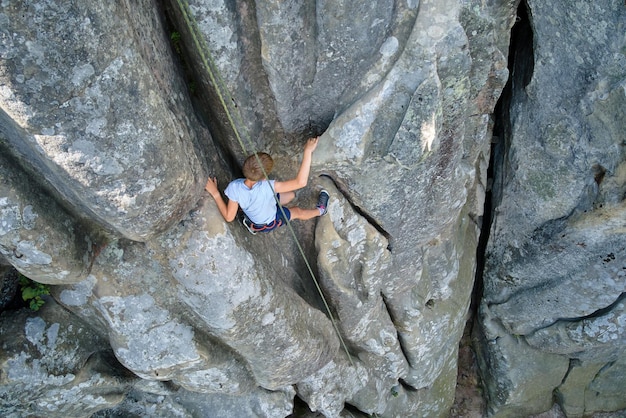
94 109
403 102
159 343
53 364
37 236
555 276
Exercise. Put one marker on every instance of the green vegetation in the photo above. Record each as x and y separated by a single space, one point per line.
175 38
32 292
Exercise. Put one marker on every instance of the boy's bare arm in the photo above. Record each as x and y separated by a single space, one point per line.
302 178
228 211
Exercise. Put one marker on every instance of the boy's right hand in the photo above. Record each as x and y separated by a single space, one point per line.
211 186
311 144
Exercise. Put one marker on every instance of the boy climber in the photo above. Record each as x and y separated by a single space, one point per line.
255 195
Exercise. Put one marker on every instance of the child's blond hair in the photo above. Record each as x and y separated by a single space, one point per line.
251 168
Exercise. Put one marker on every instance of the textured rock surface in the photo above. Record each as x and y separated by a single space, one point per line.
9 282
94 111
54 364
555 275
104 158
37 236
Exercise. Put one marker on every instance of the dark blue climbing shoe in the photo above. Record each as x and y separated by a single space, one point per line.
322 202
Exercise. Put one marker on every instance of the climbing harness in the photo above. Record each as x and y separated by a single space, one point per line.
254 228
213 73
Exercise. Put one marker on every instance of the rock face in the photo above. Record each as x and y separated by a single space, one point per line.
93 110
54 364
108 131
552 314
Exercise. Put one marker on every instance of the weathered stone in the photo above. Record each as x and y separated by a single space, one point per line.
354 260
89 113
327 390
600 336
391 177
605 390
222 44
572 391
37 236
177 402
555 274
54 365
246 316
398 92
509 366
159 343
583 273
281 337
217 322
317 59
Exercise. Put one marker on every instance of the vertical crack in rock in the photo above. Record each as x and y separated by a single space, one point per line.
521 65
572 364
405 351
346 194
521 56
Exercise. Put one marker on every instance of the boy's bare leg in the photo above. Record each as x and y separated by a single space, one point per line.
287 197
304 214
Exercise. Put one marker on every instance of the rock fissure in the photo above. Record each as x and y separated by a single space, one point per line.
547 325
520 65
573 363
346 194
405 352
598 313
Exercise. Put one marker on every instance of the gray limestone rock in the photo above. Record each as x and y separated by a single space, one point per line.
168 402
127 295
327 390
598 337
590 387
555 273
37 236
105 152
281 337
353 259
95 115
202 304
518 379
53 364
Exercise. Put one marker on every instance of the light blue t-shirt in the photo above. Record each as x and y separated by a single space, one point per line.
258 202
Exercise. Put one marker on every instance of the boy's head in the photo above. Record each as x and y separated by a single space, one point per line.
251 168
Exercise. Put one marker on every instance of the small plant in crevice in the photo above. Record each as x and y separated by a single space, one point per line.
191 86
175 38
177 44
32 292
